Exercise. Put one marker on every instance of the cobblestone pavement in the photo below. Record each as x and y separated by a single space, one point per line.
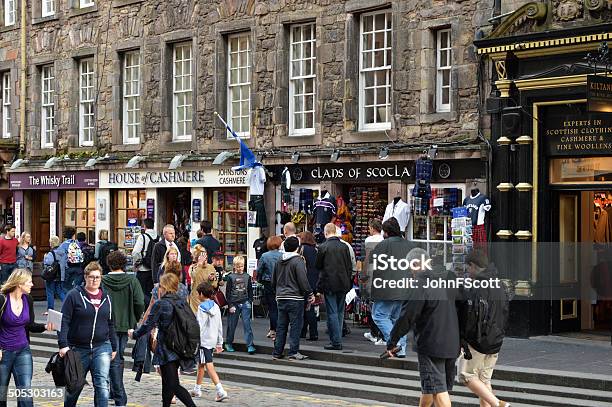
147 393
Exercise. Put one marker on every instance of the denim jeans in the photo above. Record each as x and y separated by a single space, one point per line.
334 306
97 361
243 309
19 364
54 289
270 299
385 314
117 389
73 277
5 271
289 312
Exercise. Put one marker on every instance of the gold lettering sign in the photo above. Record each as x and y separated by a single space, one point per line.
576 136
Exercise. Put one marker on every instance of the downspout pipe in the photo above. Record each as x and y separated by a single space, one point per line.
24 76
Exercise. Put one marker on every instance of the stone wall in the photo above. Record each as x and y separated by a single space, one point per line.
111 27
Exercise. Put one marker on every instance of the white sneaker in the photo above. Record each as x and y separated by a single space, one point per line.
380 342
196 392
221 395
369 337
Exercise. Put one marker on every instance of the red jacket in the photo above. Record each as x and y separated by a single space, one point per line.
8 250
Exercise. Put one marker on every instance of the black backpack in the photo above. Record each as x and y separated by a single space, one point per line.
482 324
183 334
89 254
50 272
148 254
105 250
67 371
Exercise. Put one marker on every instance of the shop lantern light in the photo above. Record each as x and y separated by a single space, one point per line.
18 163
335 155
54 160
134 161
177 161
295 158
384 153
93 161
222 157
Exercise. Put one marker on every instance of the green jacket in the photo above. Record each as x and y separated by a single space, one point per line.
127 300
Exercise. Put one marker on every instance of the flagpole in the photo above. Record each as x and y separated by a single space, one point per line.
227 127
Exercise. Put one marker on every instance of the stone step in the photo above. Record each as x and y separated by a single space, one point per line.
373 382
395 377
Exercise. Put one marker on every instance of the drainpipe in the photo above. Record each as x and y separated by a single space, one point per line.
24 67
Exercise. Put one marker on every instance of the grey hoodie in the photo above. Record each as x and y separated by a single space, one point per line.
290 281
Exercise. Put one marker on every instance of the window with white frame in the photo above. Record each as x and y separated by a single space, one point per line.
182 91
6 105
9 12
86 102
431 225
131 97
239 84
48 8
47 120
443 70
375 71
302 76
86 3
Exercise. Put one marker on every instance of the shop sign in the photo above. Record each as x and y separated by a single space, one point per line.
578 135
357 172
210 177
54 180
599 93
197 210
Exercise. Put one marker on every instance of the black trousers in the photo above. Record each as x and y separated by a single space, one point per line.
145 278
171 385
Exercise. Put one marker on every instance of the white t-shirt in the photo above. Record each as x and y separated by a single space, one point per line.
399 211
256 178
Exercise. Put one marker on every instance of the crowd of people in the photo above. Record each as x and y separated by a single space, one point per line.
173 305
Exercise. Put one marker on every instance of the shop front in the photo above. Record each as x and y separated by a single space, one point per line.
552 169
182 198
47 201
363 191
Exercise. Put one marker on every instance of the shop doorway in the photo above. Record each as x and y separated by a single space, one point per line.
582 224
40 223
176 209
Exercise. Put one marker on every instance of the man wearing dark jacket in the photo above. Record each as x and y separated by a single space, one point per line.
482 328
159 251
128 305
388 303
291 285
334 263
433 315
209 242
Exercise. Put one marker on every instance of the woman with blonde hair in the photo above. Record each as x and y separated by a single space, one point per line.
16 323
26 252
171 256
200 271
161 317
54 288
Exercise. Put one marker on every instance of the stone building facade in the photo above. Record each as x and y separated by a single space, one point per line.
425 91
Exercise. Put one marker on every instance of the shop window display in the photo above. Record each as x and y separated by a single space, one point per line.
434 226
229 215
297 206
365 203
130 210
80 212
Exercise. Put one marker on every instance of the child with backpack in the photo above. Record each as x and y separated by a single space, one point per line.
211 338
239 294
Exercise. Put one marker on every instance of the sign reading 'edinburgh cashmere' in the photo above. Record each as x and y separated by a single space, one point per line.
54 180
209 177
599 93
578 135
